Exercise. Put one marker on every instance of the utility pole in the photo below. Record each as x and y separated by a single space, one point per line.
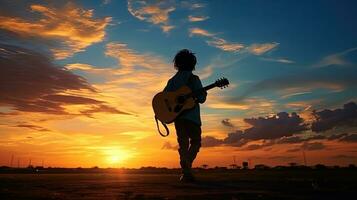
249 163
12 160
303 154
18 162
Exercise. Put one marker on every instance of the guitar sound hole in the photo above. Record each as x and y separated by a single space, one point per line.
178 108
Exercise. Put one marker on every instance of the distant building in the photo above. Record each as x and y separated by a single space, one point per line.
245 165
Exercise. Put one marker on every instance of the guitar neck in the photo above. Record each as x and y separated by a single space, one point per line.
208 87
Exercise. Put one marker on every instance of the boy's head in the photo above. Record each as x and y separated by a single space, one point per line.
185 60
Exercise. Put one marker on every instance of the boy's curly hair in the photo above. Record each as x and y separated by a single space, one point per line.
185 60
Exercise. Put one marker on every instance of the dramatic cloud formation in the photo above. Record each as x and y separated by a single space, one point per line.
285 128
29 82
74 28
328 119
155 12
274 127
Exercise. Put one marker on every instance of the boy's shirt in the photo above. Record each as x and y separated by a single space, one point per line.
180 79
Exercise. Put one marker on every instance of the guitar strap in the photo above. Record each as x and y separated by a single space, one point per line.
164 125
189 81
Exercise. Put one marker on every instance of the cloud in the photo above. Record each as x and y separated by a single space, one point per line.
234 47
279 60
252 147
192 6
102 108
343 156
209 141
335 59
72 27
215 41
31 126
312 146
128 58
282 157
235 139
298 139
284 128
224 45
277 126
169 146
141 73
303 82
259 49
328 119
336 136
274 129
155 12
31 83
349 138
200 32
192 18
226 122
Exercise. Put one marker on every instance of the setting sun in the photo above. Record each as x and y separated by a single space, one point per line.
116 155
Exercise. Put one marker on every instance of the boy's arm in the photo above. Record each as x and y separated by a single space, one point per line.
201 97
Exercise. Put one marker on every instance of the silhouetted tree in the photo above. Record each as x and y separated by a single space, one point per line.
351 166
204 166
320 166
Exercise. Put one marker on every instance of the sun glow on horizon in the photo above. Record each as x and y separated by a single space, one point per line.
116 155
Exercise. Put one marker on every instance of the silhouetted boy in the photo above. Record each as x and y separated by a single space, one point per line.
188 124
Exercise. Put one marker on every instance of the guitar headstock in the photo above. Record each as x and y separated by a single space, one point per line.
222 83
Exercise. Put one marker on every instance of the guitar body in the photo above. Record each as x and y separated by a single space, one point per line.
167 106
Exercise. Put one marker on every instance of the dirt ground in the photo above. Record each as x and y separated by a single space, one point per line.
240 185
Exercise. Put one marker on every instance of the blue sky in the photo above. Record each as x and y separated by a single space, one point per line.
306 33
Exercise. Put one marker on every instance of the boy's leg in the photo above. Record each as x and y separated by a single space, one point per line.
183 141
195 141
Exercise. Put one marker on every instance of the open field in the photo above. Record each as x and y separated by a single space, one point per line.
239 184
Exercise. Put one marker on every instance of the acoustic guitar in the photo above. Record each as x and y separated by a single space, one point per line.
169 105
